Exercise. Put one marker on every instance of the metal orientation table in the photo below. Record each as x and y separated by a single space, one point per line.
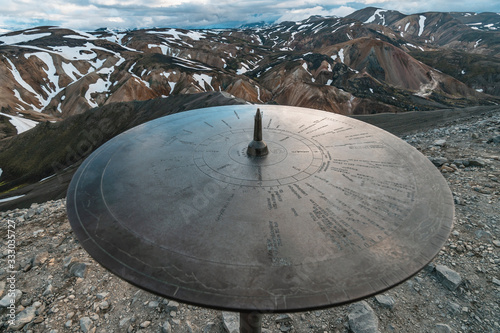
318 211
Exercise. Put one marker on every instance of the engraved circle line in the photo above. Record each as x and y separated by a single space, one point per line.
199 154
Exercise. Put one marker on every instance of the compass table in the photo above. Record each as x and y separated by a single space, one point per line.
287 209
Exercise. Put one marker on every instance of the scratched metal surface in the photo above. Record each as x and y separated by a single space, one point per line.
337 211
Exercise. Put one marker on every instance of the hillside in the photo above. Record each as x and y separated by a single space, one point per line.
40 162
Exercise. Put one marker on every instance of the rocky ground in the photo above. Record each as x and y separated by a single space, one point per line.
59 288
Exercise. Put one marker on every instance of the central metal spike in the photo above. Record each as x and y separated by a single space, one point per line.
257 147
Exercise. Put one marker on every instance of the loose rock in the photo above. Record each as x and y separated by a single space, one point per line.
231 322
85 324
362 318
448 277
78 270
166 328
6 300
386 301
24 317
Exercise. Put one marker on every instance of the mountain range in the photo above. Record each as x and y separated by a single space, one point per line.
371 61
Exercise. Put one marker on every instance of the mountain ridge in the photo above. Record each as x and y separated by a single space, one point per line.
60 72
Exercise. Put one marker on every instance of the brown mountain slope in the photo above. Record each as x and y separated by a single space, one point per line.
391 65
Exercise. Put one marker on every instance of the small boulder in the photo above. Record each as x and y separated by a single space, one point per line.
78 270
362 318
448 277
85 324
24 317
385 301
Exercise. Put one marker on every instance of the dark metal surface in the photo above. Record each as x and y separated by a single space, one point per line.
337 211
257 147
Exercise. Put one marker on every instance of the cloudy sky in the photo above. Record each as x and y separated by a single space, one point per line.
123 14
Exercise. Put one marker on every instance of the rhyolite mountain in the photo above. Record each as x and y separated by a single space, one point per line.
371 61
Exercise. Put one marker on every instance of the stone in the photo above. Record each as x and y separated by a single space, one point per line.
459 162
102 295
446 169
483 234
477 162
67 261
68 324
153 304
209 327
104 305
40 258
496 242
438 161
231 322
125 321
173 306
495 281
362 318
440 143
385 301
442 328
285 328
495 139
166 328
48 291
24 317
78 270
38 232
5 301
448 277
283 318
145 324
85 324
454 307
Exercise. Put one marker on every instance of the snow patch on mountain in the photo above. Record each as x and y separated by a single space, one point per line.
165 49
378 14
190 64
177 35
71 71
202 79
51 86
170 83
21 124
341 55
99 87
17 76
421 24
22 38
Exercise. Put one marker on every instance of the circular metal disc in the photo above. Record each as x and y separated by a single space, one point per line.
337 211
